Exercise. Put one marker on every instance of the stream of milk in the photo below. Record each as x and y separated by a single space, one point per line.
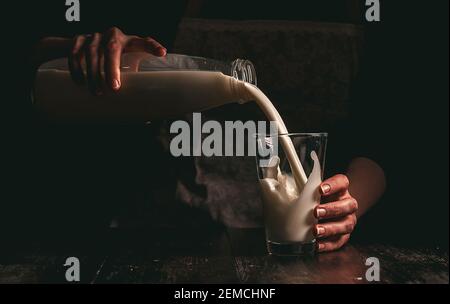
289 200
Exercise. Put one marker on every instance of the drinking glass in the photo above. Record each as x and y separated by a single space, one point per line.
289 208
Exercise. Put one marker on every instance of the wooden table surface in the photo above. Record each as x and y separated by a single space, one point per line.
208 256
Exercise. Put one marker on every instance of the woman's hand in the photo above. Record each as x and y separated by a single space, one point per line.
337 215
101 52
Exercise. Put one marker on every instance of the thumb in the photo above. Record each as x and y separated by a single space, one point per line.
148 44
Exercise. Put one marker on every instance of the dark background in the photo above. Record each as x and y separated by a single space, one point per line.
403 85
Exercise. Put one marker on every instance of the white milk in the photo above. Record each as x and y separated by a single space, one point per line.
288 210
289 201
264 103
144 96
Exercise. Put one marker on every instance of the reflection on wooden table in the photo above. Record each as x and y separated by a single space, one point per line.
208 256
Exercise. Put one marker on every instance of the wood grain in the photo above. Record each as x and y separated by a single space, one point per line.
209 256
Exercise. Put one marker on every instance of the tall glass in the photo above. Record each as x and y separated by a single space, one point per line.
288 207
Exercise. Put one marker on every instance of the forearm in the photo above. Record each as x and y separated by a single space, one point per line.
367 182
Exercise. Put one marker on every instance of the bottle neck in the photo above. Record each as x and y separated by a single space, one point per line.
239 90
243 70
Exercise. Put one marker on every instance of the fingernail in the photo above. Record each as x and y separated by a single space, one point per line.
320 230
321 212
325 188
321 246
162 51
116 84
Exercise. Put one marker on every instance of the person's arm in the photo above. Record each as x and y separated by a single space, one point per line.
367 183
346 198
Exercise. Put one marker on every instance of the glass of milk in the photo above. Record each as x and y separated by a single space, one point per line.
288 205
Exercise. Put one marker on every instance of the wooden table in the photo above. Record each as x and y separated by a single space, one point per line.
208 256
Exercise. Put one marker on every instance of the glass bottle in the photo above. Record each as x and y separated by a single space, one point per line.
151 88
